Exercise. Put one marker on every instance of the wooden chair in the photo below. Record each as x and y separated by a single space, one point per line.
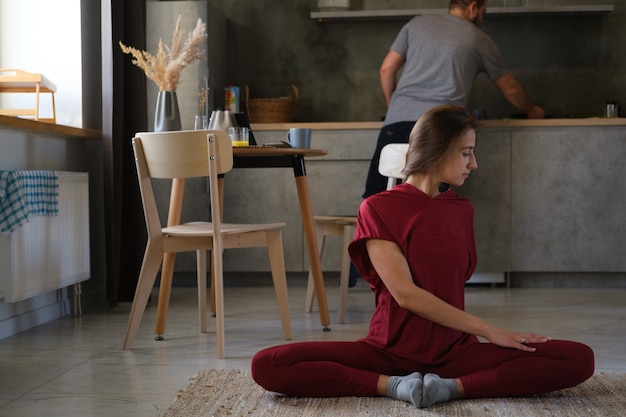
189 154
391 164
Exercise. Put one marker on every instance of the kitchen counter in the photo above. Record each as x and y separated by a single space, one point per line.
548 194
565 122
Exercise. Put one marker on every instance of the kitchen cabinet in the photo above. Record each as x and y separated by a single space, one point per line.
549 195
550 198
405 14
568 195
489 189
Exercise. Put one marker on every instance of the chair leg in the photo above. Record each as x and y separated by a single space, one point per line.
220 190
310 289
167 271
202 299
54 110
218 282
149 269
348 235
165 291
277 264
212 290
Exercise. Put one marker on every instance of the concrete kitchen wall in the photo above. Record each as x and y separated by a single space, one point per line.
568 63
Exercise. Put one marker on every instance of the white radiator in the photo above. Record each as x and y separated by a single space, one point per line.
49 252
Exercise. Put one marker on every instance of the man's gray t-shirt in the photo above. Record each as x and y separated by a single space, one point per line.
443 54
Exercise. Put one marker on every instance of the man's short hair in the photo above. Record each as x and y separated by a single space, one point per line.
463 4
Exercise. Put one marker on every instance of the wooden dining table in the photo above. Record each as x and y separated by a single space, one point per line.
255 157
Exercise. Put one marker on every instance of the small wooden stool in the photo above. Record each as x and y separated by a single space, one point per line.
18 81
333 226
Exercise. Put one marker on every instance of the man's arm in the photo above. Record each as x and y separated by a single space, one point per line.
388 73
515 94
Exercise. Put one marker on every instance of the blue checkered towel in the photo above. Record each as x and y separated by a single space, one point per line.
25 194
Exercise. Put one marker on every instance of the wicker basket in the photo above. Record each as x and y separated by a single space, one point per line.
271 110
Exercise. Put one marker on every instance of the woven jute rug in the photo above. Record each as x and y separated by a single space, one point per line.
234 393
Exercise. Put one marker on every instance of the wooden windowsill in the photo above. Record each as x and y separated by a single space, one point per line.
18 123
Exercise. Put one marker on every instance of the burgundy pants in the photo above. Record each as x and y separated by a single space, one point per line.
335 369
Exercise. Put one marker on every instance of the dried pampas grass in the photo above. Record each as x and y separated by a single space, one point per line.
165 68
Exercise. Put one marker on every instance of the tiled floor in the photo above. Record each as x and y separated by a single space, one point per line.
75 367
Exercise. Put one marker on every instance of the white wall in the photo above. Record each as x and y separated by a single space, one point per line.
44 36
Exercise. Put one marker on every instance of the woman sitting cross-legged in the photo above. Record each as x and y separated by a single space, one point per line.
415 246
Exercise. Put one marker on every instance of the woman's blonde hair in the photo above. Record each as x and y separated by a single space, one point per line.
434 134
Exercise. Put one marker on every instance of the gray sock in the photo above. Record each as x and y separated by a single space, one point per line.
406 388
438 390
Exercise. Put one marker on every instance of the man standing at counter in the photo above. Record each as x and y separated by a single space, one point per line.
442 54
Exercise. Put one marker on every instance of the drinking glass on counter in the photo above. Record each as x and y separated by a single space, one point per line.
611 109
239 136
200 122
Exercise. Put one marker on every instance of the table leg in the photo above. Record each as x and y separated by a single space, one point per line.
311 244
167 269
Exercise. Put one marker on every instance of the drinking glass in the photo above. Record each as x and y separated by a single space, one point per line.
239 136
200 122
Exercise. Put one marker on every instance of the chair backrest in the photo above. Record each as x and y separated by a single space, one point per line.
392 162
183 154
178 155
